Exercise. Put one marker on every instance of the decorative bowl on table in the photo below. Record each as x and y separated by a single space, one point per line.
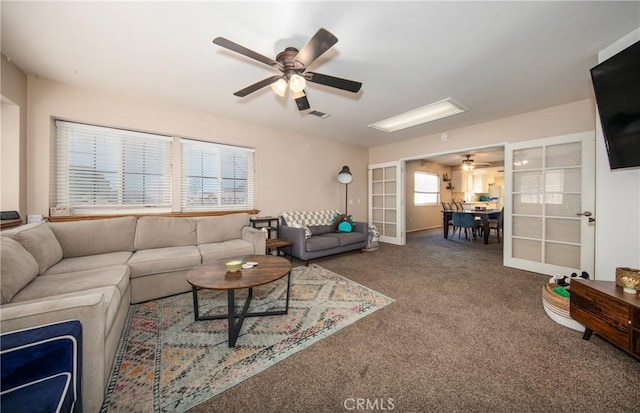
233 265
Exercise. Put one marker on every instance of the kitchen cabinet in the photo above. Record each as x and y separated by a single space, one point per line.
478 182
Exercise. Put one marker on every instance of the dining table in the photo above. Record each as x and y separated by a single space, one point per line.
485 214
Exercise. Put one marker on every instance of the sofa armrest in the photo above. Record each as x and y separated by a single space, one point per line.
257 237
297 236
361 227
90 310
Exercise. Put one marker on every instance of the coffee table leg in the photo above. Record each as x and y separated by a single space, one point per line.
234 328
286 309
196 310
231 312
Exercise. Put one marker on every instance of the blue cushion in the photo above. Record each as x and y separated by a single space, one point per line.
41 368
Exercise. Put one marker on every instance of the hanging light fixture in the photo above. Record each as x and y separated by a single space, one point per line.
297 83
467 164
280 87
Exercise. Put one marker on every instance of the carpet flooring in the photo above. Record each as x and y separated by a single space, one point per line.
167 362
465 334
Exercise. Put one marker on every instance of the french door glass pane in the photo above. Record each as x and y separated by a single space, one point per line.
563 230
527 249
562 254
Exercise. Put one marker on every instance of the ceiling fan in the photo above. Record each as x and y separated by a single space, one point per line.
468 163
293 63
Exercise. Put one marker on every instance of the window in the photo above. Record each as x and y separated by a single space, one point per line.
111 169
105 169
426 189
216 177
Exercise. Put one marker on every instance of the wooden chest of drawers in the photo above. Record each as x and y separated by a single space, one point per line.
603 308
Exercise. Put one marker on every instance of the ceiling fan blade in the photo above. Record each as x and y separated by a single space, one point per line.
256 86
235 47
303 102
316 46
344 84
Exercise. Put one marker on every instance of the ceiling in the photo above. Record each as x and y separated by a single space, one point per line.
496 58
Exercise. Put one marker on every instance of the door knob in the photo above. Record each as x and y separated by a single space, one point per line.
585 213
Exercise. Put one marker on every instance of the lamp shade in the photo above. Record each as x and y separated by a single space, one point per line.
297 83
280 87
344 176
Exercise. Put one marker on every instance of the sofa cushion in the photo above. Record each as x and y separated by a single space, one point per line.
221 228
40 241
17 269
161 232
346 238
321 242
321 229
90 262
161 260
228 249
91 237
79 281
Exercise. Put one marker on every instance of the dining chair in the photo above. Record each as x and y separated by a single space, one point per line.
448 207
466 221
497 223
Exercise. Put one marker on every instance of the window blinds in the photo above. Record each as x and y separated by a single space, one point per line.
106 168
216 177
426 188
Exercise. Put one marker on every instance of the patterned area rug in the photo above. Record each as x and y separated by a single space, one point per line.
167 362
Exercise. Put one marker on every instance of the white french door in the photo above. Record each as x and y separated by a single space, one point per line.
386 201
549 222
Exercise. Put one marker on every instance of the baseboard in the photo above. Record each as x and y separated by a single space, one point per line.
422 229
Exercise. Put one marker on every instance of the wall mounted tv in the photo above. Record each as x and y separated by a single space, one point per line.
616 83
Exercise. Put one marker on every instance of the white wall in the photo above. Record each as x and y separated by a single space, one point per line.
617 199
10 157
13 88
293 172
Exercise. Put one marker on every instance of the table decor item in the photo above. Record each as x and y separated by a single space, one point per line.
633 273
629 285
233 265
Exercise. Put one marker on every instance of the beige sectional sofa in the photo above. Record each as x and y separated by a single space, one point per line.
92 270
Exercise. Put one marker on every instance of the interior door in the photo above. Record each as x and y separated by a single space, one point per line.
386 201
549 222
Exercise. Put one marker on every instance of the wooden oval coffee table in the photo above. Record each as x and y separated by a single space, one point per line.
214 276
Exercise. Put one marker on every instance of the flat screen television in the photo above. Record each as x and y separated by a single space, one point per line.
616 83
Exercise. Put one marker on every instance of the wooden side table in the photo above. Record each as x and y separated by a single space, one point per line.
269 223
604 309
277 244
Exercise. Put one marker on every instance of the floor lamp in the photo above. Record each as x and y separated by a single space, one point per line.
345 177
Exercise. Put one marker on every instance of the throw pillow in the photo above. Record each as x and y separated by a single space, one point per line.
17 268
343 223
42 244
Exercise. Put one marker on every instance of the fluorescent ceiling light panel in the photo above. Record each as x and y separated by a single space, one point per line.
438 110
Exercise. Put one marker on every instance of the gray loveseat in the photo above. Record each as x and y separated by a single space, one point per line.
93 270
314 236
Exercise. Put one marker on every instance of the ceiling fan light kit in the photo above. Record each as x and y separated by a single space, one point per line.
469 164
280 87
293 65
297 83
429 113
